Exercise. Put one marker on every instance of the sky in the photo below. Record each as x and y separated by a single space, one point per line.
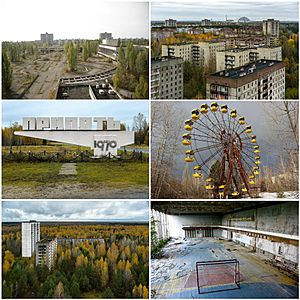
124 111
17 211
68 19
218 9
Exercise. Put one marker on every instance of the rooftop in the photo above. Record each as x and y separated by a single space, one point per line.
247 69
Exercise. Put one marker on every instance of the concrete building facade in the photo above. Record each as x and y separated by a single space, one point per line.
170 23
237 57
30 236
271 27
264 79
45 252
167 78
47 38
201 53
105 36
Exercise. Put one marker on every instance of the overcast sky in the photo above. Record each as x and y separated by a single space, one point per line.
26 20
124 111
16 211
218 9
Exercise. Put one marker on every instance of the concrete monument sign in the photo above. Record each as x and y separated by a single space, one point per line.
101 134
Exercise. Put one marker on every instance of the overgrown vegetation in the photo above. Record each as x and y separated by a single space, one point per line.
156 244
132 70
117 268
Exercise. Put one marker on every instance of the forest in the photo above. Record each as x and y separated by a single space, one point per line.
117 268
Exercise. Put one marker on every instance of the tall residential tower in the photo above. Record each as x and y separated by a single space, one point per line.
30 236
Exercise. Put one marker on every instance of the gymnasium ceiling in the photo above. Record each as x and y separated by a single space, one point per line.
206 207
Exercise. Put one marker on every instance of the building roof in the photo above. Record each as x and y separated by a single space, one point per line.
250 68
166 59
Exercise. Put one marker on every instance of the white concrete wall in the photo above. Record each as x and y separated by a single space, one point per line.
176 222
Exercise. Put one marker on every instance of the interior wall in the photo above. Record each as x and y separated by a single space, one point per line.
176 222
279 218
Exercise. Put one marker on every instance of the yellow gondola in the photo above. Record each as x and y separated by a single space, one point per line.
197 168
257 157
186 136
252 182
233 113
242 120
251 177
253 139
248 129
255 167
256 151
258 162
256 173
244 190
195 114
209 179
221 186
209 187
188 127
224 108
256 147
204 108
198 175
189 159
186 142
214 107
235 193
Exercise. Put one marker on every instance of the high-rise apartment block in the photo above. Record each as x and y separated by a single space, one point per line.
170 23
264 79
47 38
45 252
105 36
167 78
271 27
30 236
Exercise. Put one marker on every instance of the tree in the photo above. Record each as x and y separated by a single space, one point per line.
59 291
108 294
6 74
72 53
74 289
141 128
141 90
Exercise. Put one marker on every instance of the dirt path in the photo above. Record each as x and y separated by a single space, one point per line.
73 191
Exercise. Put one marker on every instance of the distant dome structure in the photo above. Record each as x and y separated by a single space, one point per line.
243 20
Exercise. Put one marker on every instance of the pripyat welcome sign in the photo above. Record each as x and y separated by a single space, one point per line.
105 138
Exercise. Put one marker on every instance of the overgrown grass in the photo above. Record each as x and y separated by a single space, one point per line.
111 174
157 247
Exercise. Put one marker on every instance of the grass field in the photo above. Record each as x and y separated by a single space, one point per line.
111 174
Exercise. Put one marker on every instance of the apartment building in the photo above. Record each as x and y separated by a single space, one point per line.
263 79
202 53
170 23
271 27
30 236
45 252
167 78
237 57
47 38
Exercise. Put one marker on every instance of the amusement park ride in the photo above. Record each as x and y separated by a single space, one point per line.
224 149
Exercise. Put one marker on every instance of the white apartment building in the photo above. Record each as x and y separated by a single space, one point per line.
47 38
167 78
263 79
170 23
271 27
237 57
30 236
45 252
201 53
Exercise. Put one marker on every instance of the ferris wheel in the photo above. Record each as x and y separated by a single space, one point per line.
223 149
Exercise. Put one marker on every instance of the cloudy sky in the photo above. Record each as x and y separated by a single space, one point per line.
16 211
218 9
26 20
124 111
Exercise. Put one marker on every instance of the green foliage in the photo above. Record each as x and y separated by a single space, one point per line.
156 244
71 50
6 74
132 70
194 81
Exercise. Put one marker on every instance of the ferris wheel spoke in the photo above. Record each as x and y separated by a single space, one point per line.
203 136
213 137
205 148
207 127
